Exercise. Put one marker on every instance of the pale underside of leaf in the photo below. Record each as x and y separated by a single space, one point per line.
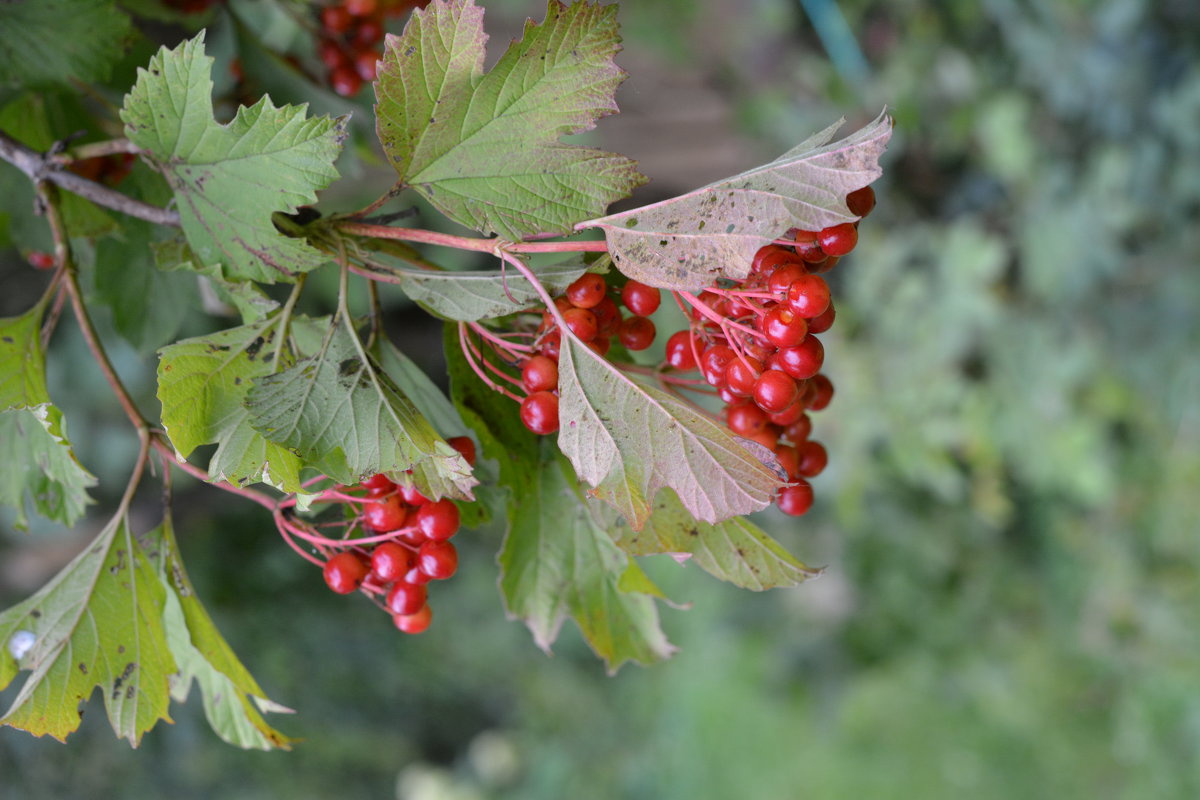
736 550
689 241
629 441
97 624
37 462
229 179
485 149
471 296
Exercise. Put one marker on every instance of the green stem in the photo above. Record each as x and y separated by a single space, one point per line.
285 320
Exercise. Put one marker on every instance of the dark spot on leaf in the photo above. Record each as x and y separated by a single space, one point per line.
8 340
237 381
347 367
129 692
83 668
730 228
693 532
662 242
700 227
253 348
120 565
217 348
741 552
631 222
120 680
120 648
35 613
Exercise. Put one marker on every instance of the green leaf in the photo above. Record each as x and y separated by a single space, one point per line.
557 562
37 462
485 149
629 440
229 179
689 241
735 550
471 296
232 698
345 416
98 623
53 41
22 365
203 384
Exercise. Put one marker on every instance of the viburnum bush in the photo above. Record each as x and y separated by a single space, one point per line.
367 469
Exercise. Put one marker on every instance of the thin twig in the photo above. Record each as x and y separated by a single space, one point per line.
466 242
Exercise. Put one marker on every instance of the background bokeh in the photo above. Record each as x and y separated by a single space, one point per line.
1010 521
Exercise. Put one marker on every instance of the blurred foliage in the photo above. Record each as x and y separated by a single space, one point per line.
1010 520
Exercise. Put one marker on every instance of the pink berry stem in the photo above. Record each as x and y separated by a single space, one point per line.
470 353
466 242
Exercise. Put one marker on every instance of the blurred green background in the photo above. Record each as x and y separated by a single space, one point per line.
1010 522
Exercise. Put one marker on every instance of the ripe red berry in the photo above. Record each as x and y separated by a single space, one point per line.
378 484
813 458
861 201
549 346
366 64
680 352
345 81
406 598
838 240
369 33
582 322
438 560
824 322
774 391
385 514
608 316
336 19
782 327
782 278
540 374
746 419
807 248
438 521
412 496
741 374
808 296
803 360
714 361
539 412
465 446
636 333
390 561
600 345
768 437
799 430
360 8
796 499
789 459
641 299
345 572
822 392
415 576
414 623
769 257
789 415
587 290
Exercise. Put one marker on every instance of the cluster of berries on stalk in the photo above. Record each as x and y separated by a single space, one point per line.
349 42
404 543
754 343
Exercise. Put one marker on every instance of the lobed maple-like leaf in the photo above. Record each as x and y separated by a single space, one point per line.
557 561
629 440
485 149
471 296
233 700
202 385
735 550
229 179
346 417
97 624
689 241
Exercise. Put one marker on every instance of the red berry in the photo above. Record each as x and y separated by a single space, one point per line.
636 333
385 514
782 327
822 323
641 299
582 322
345 81
336 19
39 260
608 316
587 291
360 8
838 240
807 248
795 500
799 430
414 623
412 496
540 374
789 459
861 201
438 560
539 412
741 374
549 346
439 520
808 296
774 391
789 415
415 576
378 484
714 361
600 345
366 64
345 572
804 360
746 419
406 598
680 352
782 278
331 54
768 437
822 392
369 33
465 446
769 257
390 561
813 458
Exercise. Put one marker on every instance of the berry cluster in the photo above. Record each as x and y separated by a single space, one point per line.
590 311
349 43
407 544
